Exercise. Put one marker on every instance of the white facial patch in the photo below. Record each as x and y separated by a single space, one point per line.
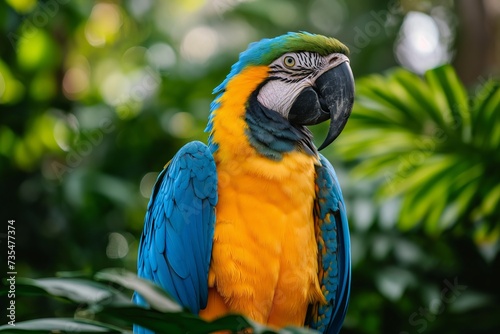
290 74
279 96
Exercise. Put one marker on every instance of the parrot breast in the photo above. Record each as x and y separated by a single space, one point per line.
264 257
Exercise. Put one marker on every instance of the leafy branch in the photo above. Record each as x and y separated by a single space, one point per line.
99 299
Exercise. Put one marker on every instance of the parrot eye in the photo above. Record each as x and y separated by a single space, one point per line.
289 61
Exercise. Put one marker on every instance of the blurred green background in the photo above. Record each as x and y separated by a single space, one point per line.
96 96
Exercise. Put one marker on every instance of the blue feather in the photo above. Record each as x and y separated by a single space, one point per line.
176 243
336 261
159 238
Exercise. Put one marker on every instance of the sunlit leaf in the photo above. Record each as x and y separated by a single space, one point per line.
74 289
175 323
155 296
491 200
113 305
452 96
184 322
59 325
427 144
420 95
411 176
481 114
491 128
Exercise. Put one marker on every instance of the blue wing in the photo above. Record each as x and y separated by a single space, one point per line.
334 250
176 242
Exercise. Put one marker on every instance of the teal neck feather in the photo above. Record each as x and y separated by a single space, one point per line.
272 135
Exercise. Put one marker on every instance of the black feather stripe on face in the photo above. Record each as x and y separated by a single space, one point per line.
308 64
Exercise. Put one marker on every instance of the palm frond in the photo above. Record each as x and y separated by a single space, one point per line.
429 143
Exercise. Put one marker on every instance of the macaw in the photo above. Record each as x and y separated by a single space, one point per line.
254 222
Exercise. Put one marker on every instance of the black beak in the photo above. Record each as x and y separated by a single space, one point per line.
331 98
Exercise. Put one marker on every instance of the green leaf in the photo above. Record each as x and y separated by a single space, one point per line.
175 323
491 201
491 123
412 177
458 207
420 96
482 114
166 315
427 144
156 297
452 97
73 289
59 325
115 306
184 322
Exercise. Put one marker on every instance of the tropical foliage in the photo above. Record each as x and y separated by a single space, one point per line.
104 308
432 145
429 150
96 96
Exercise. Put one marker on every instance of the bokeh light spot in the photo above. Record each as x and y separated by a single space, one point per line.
420 45
199 44
191 5
22 6
161 56
139 8
181 125
75 82
147 183
114 88
117 246
36 49
327 16
63 130
103 24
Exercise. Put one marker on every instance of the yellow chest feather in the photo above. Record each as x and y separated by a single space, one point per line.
264 257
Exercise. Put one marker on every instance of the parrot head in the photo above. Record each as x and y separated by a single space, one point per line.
308 80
